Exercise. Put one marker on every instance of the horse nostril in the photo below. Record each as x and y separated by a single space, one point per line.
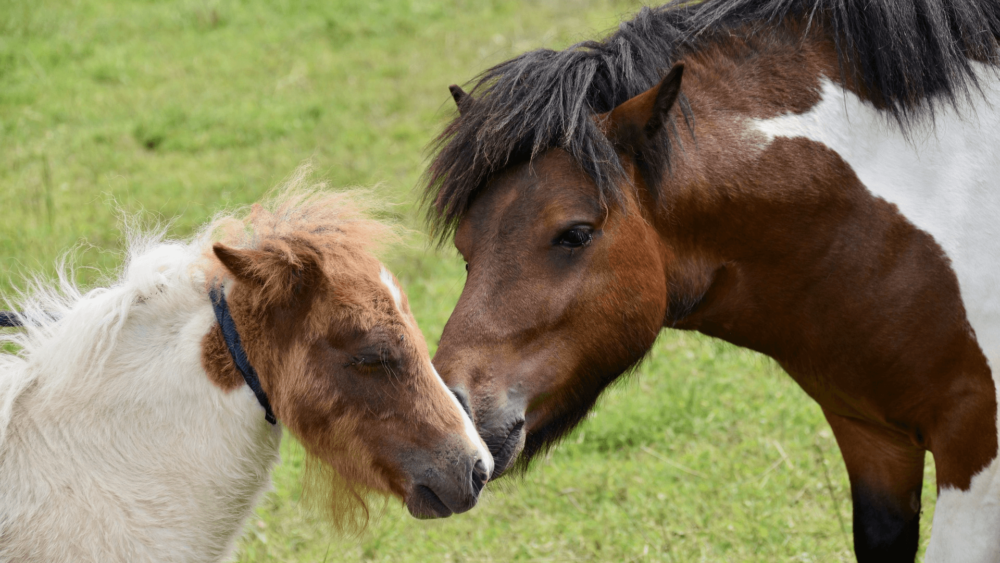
463 399
479 476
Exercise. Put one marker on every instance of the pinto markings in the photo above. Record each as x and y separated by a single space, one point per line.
942 177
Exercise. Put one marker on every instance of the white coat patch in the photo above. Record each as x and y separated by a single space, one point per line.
945 179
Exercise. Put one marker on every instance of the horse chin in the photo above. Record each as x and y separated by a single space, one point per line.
508 447
424 504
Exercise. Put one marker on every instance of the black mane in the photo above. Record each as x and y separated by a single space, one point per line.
908 54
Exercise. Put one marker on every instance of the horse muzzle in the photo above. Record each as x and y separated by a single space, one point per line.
501 428
505 444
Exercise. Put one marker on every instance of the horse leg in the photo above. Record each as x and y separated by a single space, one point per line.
967 516
886 471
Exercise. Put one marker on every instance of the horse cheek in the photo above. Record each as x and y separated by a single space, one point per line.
640 286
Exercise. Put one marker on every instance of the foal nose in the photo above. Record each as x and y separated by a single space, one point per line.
479 476
444 487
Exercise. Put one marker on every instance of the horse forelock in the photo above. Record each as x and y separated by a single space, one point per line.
547 99
907 58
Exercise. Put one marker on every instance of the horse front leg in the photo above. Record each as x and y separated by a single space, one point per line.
967 516
886 471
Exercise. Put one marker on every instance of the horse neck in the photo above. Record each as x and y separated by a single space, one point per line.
155 455
782 245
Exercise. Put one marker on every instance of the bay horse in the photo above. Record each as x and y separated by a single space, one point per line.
139 422
816 180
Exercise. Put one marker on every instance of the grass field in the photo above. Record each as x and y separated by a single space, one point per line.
175 109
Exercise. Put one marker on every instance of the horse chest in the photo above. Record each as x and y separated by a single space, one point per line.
942 177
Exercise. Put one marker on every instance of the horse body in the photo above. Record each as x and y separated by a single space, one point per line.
942 177
779 201
127 432
880 297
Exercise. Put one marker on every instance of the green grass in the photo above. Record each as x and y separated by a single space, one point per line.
176 109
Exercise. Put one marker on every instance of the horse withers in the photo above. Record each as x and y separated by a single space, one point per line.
136 420
805 179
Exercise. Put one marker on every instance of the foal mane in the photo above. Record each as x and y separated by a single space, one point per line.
908 55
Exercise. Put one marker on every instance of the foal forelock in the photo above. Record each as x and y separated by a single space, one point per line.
332 222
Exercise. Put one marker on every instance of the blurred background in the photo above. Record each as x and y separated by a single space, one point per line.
172 110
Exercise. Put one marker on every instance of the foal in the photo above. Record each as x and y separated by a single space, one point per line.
133 427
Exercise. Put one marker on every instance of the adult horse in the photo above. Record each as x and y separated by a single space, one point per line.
809 179
138 422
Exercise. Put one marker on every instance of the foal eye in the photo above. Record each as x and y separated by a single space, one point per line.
576 237
364 361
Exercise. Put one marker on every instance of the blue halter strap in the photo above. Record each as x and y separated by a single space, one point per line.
232 338
10 320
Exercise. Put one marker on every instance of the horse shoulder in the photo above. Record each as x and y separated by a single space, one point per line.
941 174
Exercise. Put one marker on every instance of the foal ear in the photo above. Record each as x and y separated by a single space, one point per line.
460 97
645 113
282 269
241 263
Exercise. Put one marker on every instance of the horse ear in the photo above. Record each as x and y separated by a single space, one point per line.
281 268
645 113
460 97
666 96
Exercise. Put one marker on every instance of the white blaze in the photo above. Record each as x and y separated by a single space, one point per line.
470 429
945 179
397 295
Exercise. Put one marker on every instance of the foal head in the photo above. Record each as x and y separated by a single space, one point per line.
341 359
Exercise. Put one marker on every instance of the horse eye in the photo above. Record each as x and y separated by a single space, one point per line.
576 237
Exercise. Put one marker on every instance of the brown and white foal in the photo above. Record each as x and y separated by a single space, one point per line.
128 433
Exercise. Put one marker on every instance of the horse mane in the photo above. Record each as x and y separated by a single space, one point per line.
85 326
907 54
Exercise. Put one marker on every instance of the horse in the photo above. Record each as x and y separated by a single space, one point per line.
809 179
140 421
